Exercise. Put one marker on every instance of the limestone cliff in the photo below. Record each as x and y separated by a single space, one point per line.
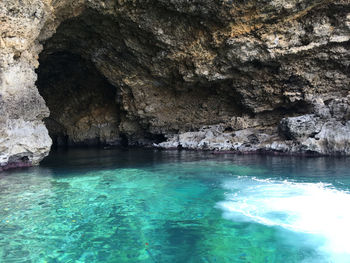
265 75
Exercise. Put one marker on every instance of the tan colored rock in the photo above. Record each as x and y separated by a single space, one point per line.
176 67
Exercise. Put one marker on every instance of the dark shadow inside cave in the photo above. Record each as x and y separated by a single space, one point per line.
106 81
82 103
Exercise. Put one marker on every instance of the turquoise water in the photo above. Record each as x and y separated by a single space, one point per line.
151 206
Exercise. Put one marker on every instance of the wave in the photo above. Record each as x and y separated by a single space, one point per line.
312 208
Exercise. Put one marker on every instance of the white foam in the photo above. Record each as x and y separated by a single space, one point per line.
312 208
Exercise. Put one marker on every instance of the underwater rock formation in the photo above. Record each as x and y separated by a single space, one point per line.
266 75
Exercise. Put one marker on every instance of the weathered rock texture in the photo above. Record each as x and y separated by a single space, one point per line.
266 75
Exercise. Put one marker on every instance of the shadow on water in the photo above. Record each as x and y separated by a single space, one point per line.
87 159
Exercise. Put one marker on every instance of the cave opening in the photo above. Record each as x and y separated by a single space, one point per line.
106 81
85 108
79 77
82 103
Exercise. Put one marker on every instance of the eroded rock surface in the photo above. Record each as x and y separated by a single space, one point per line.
266 75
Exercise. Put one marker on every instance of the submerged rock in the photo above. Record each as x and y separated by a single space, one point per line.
219 75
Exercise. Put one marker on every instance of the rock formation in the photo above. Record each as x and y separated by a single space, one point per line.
266 75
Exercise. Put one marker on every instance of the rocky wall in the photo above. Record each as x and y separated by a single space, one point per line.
266 75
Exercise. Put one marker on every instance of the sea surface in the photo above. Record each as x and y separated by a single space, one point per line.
88 205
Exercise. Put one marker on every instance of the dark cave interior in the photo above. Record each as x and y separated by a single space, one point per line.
82 102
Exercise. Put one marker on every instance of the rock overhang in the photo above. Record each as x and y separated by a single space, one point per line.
177 67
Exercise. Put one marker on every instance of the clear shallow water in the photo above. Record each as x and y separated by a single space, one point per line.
149 206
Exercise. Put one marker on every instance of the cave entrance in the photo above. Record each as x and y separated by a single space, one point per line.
82 103
81 78
106 80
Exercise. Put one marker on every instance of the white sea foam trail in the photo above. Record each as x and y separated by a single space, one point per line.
312 208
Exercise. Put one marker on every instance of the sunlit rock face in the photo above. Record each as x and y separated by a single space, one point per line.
228 75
